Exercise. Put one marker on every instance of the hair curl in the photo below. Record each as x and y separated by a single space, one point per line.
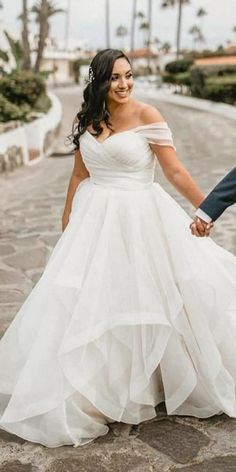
93 109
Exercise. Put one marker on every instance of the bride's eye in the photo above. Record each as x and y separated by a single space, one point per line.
129 75
113 78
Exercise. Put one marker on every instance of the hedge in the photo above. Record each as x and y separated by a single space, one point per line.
217 70
9 111
22 87
197 82
22 96
221 89
217 83
177 79
180 66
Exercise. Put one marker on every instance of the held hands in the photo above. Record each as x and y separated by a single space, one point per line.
200 228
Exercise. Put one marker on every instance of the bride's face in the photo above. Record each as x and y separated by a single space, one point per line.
121 81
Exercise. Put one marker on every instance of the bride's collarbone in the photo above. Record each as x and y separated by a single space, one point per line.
107 132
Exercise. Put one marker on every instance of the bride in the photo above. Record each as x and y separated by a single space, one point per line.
131 310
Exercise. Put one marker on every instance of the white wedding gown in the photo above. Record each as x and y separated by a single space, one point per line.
131 310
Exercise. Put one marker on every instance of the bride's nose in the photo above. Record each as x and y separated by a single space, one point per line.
122 82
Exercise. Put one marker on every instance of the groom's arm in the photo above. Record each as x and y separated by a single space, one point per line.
219 199
204 216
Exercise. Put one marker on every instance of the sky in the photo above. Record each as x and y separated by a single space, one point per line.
87 21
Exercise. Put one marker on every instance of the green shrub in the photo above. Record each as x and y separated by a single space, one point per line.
221 89
217 83
218 70
178 79
9 111
168 78
177 67
197 82
42 104
22 87
183 79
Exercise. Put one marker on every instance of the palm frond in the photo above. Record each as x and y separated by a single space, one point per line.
16 49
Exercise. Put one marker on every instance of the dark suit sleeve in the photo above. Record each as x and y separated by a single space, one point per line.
221 197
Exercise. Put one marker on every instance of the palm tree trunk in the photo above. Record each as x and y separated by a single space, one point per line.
41 45
179 28
132 35
67 25
43 34
25 37
149 32
107 16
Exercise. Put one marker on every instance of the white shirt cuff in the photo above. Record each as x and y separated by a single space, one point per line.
201 214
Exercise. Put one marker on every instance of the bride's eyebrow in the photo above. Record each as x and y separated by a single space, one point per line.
116 73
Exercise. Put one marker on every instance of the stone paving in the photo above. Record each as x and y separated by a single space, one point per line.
32 199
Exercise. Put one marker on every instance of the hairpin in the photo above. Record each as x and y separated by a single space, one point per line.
91 75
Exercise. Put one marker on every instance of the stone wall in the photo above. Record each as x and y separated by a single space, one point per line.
24 144
12 158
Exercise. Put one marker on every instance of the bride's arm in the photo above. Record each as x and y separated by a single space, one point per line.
178 175
79 173
172 168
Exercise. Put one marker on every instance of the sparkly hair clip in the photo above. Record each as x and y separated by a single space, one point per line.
91 75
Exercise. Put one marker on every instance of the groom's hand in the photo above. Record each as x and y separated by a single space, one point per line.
200 228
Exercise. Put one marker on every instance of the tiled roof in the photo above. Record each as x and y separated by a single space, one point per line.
231 49
218 60
142 52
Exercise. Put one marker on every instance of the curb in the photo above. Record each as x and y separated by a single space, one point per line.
222 109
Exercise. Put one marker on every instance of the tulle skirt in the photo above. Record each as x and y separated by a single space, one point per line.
131 311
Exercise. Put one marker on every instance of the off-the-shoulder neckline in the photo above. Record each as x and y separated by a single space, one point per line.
163 124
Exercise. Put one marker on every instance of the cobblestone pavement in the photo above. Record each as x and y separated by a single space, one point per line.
31 204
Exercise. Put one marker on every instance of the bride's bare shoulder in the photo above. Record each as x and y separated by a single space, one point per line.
148 114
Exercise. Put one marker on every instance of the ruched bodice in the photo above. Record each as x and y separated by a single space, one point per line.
124 159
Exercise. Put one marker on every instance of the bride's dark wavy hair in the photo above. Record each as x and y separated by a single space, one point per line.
93 108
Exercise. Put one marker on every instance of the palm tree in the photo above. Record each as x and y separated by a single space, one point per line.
43 9
67 24
4 56
149 39
107 16
156 41
180 3
150 21
122 32
133 21
197 35
165 47
201 13
234 29
25 36
16 51
144 26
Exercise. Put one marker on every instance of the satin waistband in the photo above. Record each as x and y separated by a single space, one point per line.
121 184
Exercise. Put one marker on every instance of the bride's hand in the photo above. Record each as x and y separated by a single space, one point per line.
65 220
200 228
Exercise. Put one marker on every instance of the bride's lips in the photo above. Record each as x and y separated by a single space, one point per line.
122 93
